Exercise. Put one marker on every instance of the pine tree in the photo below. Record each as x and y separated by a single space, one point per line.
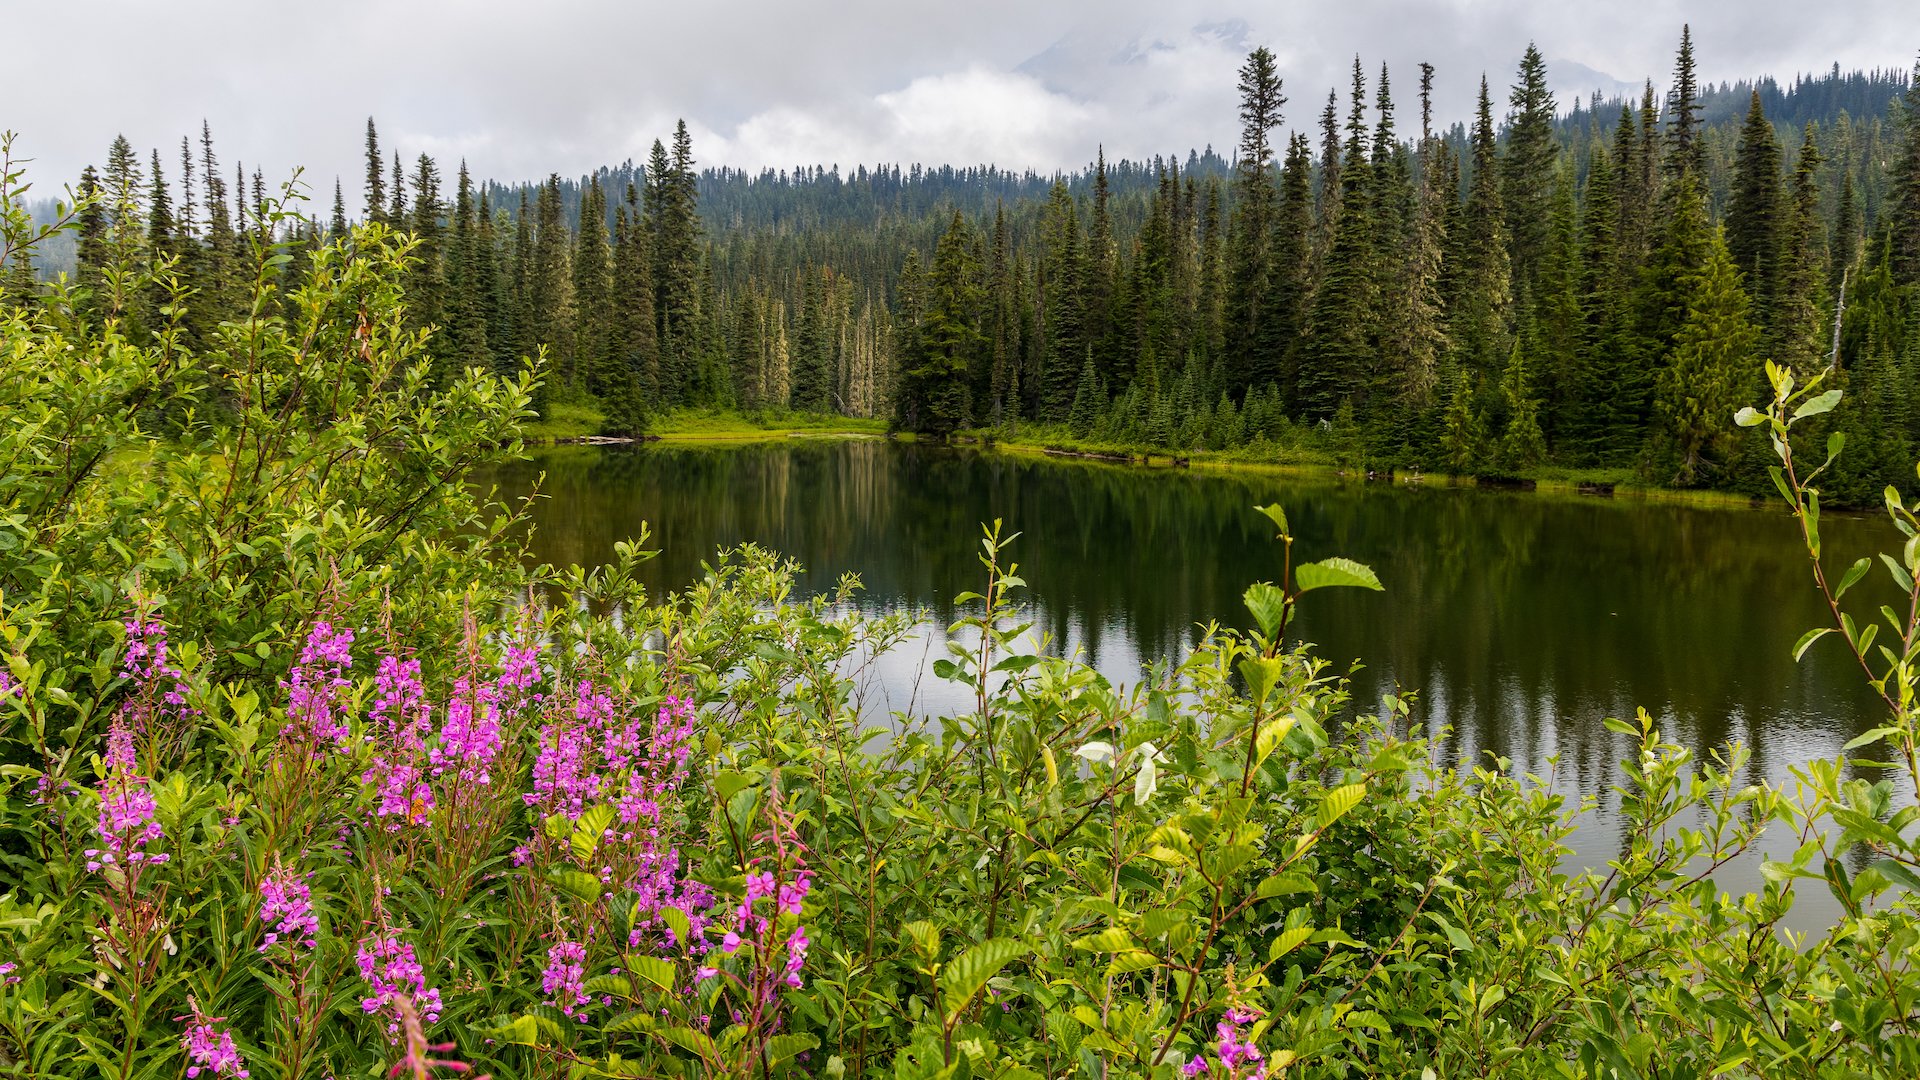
1686 151
592 266
468 269
635 333
1528 169
1713 365
376 210
1753 232
933 391
1250 268
1797 327
1522 446
1338 352
1903 215
1062 305
1483 298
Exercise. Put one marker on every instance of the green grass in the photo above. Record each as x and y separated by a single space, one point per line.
727 424
565 420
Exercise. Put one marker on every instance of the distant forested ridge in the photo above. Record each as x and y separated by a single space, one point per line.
1587 284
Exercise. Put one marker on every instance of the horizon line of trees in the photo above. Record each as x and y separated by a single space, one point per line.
1555 287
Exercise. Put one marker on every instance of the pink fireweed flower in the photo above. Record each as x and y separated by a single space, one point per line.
565 972
286 906
1194 1066
209 1046
470 736
127 824
794 892
796 955
399 725
8 687
145 660
391 973
316 685
1240 1059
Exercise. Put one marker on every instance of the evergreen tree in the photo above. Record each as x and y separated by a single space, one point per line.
1753 233
933 391
1528 169
468 268
376 210
1338 352
1250 268
1903 215
1713 366
592 266
635 333
1522 446
1686 152
1482 297
1796 329
1062 305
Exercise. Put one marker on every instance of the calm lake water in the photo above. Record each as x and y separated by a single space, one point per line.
1517 621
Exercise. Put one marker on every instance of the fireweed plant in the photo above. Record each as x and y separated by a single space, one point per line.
308 774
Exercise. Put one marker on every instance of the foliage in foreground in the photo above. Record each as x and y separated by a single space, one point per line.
325 785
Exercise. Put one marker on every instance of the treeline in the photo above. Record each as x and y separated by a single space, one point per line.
1588 288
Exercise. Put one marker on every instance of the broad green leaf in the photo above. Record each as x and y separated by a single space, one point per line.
1276 514
782 1047
1339 801
1268 605
587 831
1288 941
1112 939
652 969
1807 639
1748 416
1147 780
1817 405
964 976
578 883
676 921
1335 572
1284 884
1130 961
1852 577
1261 673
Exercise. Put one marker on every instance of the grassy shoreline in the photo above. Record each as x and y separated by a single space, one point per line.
573 422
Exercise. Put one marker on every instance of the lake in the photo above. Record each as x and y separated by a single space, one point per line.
1516 620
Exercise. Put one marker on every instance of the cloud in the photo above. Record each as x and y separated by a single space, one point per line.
521 90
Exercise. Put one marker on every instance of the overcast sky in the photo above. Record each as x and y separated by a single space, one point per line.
520 89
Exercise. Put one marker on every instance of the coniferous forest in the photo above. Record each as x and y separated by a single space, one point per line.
1590 285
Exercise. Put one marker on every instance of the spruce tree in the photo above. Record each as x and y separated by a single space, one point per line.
1528 169
933 392
1483 286
376 209
635 333
1797 327
1903 213
1713 365
1337 354
1686 150
1753 232
1062 305
1250 269
592 266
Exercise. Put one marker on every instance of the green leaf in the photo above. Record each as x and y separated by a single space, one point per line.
1815 406
782 1047
1268 605
1284 884
964 976
1288 941
1748 416
1131 960
1807 639
1262 674
1112 939
653 969
587 831
1335 572
1852 577
578 884
1276 514
676 921
1339 801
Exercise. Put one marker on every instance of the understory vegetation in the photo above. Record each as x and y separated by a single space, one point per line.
308 774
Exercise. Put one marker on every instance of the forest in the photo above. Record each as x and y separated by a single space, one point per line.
1587 288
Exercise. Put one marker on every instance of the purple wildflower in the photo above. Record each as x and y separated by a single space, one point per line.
565 972
315 685
391 973
400 723
210 1047
127 823
286 906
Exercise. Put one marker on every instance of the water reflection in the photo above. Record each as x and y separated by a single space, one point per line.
1519 620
